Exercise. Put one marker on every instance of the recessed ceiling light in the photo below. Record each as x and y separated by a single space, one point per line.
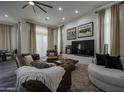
63 18
6 15
47 18
31 3
60 9
76 11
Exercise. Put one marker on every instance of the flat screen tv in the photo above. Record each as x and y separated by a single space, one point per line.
83 48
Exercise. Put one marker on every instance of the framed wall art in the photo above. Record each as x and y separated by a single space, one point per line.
71 33
85 30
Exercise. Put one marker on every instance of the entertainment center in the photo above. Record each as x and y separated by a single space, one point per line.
82 50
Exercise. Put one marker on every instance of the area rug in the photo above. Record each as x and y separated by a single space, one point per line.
8 76
80 80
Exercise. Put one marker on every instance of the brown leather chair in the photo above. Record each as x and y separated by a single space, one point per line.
52 55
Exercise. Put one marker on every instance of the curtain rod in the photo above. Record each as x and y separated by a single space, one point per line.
108 5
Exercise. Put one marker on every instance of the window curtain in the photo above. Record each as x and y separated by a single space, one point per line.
55 38
41 40
32 38
18 38
61 39
50 39
58 43
107 30
5 31
115 30
101 16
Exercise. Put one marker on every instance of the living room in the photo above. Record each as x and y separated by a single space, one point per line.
72 46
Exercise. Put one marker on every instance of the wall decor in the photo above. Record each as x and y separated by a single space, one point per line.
85 30
71 33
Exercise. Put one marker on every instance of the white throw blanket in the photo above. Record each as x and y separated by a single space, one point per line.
51 77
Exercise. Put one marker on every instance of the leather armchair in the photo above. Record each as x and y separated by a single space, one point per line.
52 55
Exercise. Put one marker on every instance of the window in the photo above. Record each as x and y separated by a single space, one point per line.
107 28
41 40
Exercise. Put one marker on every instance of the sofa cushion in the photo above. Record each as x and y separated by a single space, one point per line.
38 61
21 60
113 77
26 54
40 65
35 56
28 59
52 54
122 62
101 59
113 62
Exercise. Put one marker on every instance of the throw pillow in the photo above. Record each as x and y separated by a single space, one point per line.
101 59
114 62
28 59
38 61
26 54
40 65
52 54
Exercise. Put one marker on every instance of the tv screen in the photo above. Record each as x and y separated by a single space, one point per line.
83 48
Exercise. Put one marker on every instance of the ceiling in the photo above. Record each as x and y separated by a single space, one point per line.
14 11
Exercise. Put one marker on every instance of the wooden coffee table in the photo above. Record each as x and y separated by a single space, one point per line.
62 61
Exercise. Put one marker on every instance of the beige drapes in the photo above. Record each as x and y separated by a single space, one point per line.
115 30
61 39
50 39
18 38
5 31
101 16
32 38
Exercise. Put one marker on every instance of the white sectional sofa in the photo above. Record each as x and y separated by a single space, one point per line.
111 80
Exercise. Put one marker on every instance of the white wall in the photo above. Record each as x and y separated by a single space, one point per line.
91 17
122 30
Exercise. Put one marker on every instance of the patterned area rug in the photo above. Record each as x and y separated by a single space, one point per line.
80 80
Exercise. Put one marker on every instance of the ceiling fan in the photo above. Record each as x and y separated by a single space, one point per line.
37 4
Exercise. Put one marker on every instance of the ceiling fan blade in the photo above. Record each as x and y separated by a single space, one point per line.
34 9
43 4
41 8
25 6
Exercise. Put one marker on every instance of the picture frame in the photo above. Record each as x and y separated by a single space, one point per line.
71 33
85 30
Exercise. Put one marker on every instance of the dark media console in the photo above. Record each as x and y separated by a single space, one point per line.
82 48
